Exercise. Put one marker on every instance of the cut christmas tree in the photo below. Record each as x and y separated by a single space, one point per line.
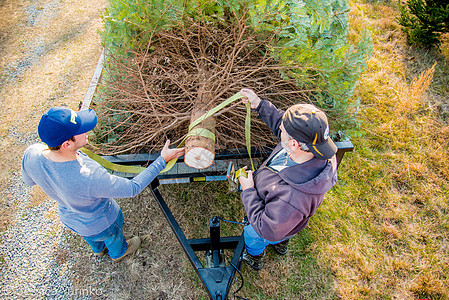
169 62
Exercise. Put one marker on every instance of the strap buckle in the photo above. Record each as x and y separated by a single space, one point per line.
233 175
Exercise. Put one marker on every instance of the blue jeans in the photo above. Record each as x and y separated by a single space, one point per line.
112 238
254 244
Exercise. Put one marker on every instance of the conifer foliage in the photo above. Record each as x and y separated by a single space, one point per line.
424 21
166 55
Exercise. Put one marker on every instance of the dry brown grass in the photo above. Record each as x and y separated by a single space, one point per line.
387 236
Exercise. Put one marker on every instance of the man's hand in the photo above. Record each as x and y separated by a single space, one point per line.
247 182
250 96
169 154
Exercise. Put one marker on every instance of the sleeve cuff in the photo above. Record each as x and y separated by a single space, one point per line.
248 190
260 105
161 161
244 194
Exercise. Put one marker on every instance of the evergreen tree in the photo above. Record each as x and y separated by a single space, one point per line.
424 21
291 51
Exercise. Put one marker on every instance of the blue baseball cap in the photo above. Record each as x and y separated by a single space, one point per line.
59 124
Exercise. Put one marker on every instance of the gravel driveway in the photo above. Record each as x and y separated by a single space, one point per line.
41 66
48 53
28 249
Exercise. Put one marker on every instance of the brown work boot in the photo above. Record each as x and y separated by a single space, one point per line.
255 262
133 245
281 248
102 253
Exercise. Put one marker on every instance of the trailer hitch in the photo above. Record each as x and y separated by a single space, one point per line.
216 276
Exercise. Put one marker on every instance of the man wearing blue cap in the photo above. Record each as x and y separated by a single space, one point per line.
83 189
281 196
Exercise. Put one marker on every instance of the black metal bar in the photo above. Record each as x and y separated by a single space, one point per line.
146 158
227 242
214 229
214 226
175 227
343 147
217 278
237 258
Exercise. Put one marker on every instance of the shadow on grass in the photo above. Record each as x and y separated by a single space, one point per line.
160 269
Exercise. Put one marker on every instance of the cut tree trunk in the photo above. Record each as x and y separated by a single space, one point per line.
200 150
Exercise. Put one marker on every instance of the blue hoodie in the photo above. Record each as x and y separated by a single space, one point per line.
83 189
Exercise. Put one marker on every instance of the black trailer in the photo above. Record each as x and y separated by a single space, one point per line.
215 275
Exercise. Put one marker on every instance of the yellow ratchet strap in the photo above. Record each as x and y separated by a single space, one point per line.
192 131
111 166
239 173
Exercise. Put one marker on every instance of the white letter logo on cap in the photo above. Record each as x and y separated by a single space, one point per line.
72 117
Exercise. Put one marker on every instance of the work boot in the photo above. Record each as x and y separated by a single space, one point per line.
255 262
281 248
102 253
133 245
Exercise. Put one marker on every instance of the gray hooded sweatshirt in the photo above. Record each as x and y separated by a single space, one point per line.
281 203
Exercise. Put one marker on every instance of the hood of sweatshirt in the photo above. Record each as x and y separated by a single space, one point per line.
311 177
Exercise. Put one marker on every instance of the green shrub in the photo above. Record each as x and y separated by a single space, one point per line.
424 21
